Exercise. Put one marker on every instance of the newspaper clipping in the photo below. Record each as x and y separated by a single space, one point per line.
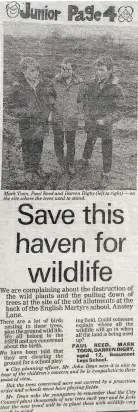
68 206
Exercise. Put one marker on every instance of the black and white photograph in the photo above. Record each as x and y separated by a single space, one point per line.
69 107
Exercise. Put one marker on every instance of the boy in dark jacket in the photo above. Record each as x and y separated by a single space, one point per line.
101 100
29 102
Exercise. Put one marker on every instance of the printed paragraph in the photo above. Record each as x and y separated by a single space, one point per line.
83 298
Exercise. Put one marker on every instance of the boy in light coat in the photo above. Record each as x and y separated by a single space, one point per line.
66 86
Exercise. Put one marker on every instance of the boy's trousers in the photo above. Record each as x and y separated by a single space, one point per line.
59 145
106 141
32 146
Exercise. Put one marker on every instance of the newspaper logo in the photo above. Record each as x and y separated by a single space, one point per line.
125 14
12 9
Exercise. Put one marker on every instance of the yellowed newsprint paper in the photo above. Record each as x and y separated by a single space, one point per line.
68 206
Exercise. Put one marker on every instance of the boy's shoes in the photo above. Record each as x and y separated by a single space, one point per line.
105 180
84 162
32 178
61 166
71 170
41 173
52 182
61 169
63 182
29 177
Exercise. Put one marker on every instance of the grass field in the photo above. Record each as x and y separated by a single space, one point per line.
50 50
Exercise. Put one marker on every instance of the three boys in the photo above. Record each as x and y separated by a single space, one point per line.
100 101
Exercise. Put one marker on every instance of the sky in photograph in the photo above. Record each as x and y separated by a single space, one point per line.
42 30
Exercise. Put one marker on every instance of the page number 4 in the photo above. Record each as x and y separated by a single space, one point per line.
110 12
